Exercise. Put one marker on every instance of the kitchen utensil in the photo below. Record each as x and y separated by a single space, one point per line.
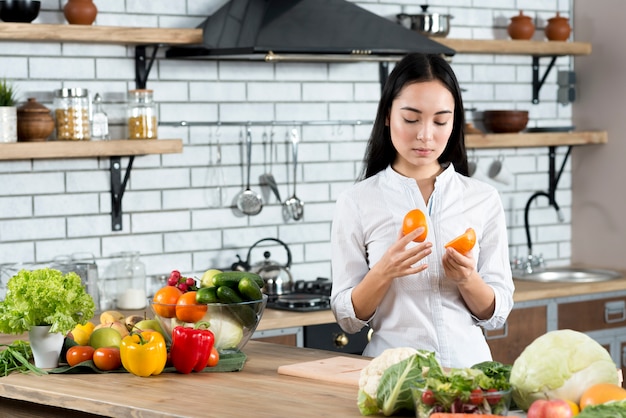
558 28
521 27
267 178
505 121
248 201
277 277
22 11
294 207
340 369
215 174
429 24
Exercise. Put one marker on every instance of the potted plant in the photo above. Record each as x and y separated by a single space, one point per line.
8 112
47 304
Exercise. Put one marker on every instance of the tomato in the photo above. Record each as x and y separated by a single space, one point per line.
601 393
464 242
188 310
428 397
214 358
164 301
78 354
107 358
476 396
491 397
413 220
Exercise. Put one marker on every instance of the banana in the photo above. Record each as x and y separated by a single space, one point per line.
132 320
108 317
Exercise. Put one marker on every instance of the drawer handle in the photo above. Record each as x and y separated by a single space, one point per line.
614 311
491 335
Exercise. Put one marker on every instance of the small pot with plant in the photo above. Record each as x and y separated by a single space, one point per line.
45 303
8 112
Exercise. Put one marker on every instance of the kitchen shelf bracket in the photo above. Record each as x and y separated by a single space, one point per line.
118 187
143 67
537 83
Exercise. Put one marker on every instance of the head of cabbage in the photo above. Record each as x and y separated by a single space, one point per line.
560 365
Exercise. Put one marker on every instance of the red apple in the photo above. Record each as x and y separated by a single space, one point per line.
537 409
555 408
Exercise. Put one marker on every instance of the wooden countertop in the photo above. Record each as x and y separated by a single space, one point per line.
257 389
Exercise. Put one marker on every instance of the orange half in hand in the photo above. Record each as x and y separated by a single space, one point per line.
464 242
412 220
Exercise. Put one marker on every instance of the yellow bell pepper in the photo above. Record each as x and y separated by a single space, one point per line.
144 354
81 333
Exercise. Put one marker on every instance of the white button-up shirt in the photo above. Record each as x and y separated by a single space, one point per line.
425 310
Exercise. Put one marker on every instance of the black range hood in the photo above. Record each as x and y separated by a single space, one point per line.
304 30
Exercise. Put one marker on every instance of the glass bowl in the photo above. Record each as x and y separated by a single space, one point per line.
232 323
428 401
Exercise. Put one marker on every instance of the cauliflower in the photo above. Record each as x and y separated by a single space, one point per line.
371 374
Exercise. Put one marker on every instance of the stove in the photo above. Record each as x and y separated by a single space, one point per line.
308 295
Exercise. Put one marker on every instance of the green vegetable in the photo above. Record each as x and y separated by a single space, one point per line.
231 278
560 365
45 297
249 289
227 330
15 358
615 409
207 295
226 294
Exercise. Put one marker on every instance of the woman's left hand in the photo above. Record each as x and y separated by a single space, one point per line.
458 267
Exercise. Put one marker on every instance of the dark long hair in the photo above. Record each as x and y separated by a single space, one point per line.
415 68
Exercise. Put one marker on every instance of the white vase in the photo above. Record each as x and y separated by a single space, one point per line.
46 346
8 124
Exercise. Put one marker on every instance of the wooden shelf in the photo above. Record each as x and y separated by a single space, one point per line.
527 140
87 149
515 47
98 34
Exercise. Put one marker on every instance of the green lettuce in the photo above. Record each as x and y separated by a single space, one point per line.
615 409
45 297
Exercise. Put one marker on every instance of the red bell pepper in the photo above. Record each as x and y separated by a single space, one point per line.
191 348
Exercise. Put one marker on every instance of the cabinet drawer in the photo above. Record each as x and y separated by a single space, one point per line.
522 327
593 315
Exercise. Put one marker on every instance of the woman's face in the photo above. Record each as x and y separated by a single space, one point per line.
420 123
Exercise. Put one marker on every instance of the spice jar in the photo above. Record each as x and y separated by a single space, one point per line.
71 111
142 119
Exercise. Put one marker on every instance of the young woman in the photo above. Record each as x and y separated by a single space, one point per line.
420 295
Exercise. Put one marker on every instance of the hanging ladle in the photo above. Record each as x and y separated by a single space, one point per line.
293 206
248 201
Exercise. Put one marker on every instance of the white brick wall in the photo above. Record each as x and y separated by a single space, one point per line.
52 207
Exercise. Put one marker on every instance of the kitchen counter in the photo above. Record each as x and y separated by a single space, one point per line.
258 389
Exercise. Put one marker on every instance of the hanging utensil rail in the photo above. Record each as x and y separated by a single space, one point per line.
270 123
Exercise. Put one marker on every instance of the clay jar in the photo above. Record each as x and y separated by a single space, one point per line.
558 28
34 122
521 27
80 12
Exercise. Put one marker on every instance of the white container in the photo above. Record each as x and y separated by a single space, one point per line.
130 282
8 124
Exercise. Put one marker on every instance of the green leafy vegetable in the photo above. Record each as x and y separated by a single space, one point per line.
615 409
45 297
15 357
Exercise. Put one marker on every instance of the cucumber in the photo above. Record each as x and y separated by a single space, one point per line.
249 289
231 278
207 295
227 294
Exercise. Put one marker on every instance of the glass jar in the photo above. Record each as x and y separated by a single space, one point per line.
71 114
130 276
142 117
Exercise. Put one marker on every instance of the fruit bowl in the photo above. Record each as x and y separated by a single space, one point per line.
496 402
505 121
232 323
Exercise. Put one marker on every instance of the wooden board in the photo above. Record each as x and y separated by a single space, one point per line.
340 369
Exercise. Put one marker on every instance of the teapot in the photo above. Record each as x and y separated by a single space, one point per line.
277 277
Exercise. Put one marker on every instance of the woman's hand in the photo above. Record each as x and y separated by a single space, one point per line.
458 267
400 259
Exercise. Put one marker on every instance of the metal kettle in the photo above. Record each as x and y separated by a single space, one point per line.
277 277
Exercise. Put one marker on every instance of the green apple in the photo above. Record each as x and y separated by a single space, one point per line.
105 337
149 324
207 278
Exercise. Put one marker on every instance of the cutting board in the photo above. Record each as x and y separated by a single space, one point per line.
339 369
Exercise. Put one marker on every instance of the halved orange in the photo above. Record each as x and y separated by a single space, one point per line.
412 220
464 242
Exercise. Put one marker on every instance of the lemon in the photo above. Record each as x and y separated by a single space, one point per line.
573 406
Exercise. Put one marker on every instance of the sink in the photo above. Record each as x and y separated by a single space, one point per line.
568 274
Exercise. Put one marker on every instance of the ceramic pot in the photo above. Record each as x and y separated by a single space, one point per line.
34 122
80 12
8 124
521 27
558 28
46 346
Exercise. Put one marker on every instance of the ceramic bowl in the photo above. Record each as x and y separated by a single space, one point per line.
19 11
232 324
488 403
505 121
